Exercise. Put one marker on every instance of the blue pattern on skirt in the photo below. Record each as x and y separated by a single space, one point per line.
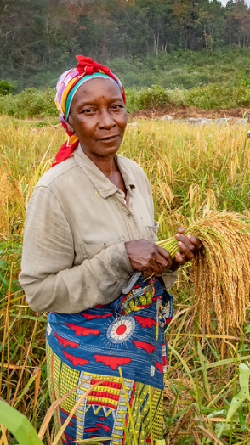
127 333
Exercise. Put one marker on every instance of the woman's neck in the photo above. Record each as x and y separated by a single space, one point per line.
108 166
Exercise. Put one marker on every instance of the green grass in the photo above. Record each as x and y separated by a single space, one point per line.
190 169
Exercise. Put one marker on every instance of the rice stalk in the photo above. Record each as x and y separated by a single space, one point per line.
221 270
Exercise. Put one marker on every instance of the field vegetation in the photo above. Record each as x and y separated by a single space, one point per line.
191 170
32 102
207 80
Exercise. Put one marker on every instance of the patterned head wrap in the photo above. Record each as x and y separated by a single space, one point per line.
67 87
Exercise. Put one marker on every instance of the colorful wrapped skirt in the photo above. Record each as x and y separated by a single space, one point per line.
88 349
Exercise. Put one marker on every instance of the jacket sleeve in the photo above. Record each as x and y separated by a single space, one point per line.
48 276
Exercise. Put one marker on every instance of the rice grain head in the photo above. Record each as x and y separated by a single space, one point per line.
222 269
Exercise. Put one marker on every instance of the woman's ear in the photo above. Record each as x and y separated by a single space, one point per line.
69 125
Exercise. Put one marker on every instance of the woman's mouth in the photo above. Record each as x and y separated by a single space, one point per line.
108 139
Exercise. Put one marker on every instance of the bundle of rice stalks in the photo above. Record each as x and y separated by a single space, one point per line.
221 269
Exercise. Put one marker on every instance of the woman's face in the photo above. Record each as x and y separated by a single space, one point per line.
98 116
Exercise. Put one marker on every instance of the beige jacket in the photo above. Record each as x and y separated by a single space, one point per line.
74 255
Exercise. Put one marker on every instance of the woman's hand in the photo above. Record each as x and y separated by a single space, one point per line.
148 258
189 246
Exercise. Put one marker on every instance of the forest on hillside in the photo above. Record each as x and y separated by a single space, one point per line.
39 39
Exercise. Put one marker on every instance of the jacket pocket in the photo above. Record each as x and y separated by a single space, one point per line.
152 232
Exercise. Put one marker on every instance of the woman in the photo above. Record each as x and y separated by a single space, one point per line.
89 244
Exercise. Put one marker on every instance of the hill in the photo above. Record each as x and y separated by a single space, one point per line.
142 39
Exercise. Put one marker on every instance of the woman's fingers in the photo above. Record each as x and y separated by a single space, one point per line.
191 242
195 241
147 257
186 251
162 261
185 240
147 273
181 230
180 258
189 245
164 253
191 238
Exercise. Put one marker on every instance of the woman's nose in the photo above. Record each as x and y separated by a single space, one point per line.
105 119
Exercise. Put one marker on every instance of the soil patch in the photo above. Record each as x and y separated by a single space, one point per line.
185 112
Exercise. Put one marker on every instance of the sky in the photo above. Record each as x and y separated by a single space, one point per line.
224 2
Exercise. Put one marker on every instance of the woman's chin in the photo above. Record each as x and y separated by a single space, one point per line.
102 149
108 145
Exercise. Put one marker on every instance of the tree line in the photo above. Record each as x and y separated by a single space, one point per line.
39 39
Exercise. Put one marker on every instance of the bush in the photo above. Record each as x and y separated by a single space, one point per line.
154 97
209 97
30 102
216 95
5 87
151 98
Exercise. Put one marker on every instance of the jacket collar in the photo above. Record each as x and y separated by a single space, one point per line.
103 185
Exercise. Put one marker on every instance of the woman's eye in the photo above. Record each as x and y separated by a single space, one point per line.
116 107
88 111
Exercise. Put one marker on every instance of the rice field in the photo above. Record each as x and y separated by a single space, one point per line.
191 170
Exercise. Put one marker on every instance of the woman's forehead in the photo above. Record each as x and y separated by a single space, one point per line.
95 89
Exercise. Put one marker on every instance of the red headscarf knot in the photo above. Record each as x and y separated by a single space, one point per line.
88 66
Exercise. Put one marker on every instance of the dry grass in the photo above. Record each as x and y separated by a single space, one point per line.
7 196
26 153
192 170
